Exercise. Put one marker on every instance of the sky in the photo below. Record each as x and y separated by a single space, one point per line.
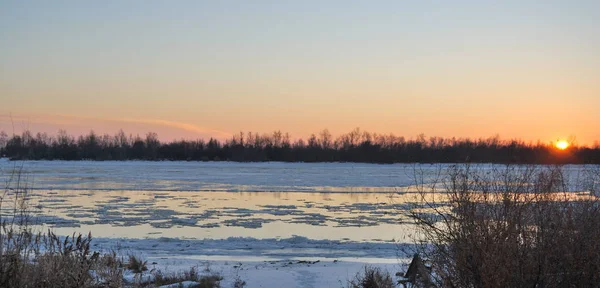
189 69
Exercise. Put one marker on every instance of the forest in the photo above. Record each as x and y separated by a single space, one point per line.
355 146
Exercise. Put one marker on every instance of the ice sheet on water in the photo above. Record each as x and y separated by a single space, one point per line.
219 176
146 199
247 246
235 177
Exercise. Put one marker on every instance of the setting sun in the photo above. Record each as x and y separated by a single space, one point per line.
562 144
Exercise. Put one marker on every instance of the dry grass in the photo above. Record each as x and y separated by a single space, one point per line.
33 259
136 264
203 281
46 260
372 277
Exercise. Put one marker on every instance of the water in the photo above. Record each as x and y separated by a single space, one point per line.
291 203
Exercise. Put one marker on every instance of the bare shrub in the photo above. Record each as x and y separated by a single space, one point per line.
108 272
239 283
372 277
509 227
210 281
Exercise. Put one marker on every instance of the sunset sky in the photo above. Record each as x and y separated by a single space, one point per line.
188 69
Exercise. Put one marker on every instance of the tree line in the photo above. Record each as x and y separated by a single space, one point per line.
355 146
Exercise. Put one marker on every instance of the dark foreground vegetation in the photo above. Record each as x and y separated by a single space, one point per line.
510 227
356 146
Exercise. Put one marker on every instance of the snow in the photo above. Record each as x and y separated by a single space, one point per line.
291 274
292 262
184 284
285 273
130 277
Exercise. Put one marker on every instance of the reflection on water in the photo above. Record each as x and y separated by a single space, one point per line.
218 215
341 201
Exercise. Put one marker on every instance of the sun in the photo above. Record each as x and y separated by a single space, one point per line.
562 144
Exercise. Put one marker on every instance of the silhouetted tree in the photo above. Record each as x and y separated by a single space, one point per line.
355 146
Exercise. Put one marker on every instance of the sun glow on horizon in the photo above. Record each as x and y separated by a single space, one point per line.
562 144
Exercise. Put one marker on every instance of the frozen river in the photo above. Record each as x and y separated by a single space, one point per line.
218 200
195 200
222 211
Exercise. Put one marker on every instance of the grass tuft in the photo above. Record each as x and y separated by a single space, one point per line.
372 277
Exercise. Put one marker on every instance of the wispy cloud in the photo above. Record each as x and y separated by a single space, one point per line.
174 124
43 122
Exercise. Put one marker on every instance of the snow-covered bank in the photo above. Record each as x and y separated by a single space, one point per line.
314 273
290 262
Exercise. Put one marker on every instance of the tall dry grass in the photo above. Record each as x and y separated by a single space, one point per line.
32 258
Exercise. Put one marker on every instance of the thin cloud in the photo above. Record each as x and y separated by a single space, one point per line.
23 121
173 124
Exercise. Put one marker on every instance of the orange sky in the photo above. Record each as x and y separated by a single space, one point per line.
199 69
